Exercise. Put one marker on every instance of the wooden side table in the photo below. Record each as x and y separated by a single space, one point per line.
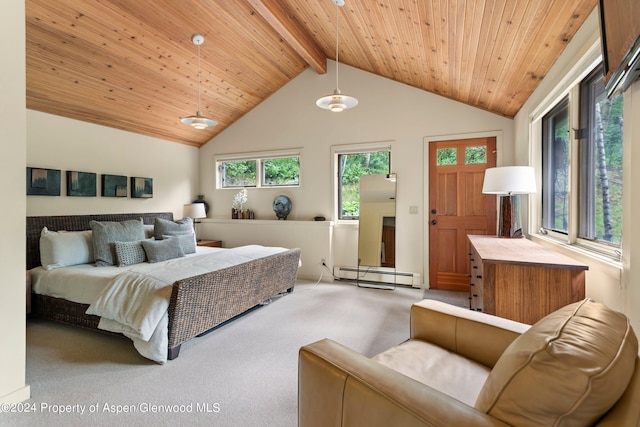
210 243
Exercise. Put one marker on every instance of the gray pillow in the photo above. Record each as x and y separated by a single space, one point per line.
187 242
105 234
164 227
129 253
162 250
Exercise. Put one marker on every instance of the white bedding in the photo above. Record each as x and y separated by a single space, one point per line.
133 300
83 283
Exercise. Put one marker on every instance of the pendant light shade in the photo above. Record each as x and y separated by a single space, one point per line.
337 101
198 121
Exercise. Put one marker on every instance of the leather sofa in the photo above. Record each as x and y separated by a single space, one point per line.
578 366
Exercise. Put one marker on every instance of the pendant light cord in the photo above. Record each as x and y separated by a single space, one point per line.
199 78
337 48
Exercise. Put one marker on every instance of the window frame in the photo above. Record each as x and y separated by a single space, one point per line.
568 87
548 155
587 154
259 158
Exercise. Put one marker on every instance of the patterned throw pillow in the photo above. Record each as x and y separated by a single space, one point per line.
129 253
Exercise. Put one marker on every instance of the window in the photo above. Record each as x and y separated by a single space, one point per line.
555 168
472 156
601 122
351 166
259 171
582 168
447 157
238 173
280 172
475 155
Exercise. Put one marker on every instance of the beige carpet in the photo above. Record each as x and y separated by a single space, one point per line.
458 298
243 374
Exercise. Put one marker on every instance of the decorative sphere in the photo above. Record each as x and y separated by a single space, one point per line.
282 206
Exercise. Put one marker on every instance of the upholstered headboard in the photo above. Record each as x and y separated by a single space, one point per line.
75 223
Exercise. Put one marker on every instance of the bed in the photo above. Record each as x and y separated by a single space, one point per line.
196 305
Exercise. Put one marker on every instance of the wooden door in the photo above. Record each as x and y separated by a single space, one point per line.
389 242
457 207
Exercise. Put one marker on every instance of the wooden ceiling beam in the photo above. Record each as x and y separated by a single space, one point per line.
292 32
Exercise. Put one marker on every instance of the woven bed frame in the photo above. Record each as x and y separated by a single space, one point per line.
197 305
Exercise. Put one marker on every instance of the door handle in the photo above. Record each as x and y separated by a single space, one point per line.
433 211
434 222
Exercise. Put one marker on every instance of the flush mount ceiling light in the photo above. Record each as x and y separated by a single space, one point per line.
337 102
198 121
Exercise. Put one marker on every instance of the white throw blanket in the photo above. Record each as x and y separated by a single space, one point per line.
135 302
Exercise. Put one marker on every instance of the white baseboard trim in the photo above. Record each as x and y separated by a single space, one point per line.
377 274
17 396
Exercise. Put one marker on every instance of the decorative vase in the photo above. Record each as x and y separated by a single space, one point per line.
201 199
282 206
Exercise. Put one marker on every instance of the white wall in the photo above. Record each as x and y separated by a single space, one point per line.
56 142
631 206
315 247
610 284
12 164
387 111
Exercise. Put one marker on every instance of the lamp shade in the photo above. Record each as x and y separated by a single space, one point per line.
509 180
194 210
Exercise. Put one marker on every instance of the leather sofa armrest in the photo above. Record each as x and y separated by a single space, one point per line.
339 387
626 412
477 336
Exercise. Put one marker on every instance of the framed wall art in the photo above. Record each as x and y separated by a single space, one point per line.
43 182
141 188
82 184
114 185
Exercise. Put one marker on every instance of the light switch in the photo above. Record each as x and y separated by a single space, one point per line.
413 210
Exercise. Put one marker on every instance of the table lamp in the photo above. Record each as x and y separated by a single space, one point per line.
509 182
194 211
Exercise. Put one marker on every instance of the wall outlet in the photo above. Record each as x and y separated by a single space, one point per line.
323 260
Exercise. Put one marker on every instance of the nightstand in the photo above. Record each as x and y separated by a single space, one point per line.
210 243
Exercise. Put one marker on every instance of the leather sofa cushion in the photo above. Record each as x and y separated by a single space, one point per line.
447 372
568 369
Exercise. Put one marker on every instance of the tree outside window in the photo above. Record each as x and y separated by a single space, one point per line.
350 168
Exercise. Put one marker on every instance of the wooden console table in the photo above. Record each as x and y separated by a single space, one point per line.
521 280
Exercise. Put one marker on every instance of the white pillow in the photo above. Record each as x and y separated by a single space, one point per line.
65 248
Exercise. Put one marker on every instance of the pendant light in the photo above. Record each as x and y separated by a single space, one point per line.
337 102
198 121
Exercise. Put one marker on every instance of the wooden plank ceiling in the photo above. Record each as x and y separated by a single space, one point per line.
131 65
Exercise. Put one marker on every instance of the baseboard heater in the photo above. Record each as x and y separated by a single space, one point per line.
375 274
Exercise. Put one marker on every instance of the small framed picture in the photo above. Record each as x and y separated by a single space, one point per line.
114 185
141 188
82 184
43 182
